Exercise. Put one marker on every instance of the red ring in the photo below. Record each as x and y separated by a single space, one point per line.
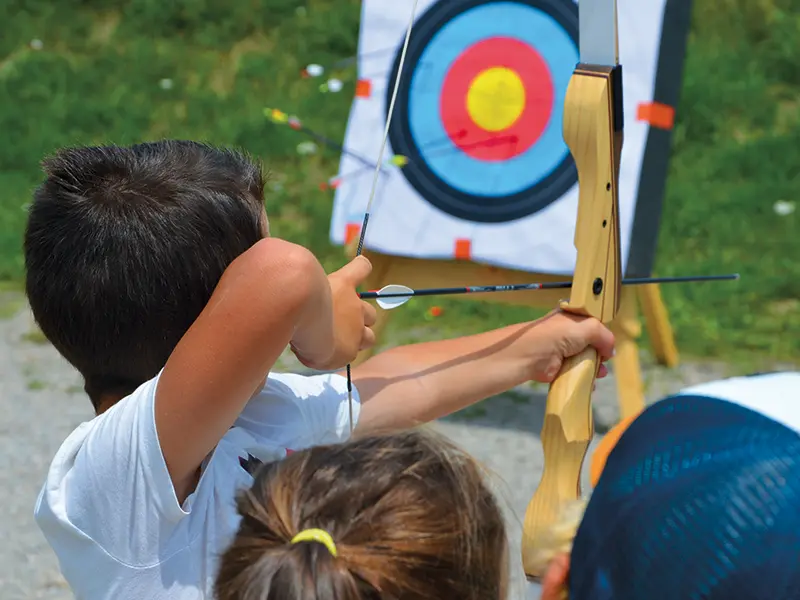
534 73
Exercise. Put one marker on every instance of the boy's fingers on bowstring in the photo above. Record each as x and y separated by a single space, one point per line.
357 270
370 314
367 339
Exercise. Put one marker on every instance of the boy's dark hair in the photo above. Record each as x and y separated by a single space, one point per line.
124 247
410 515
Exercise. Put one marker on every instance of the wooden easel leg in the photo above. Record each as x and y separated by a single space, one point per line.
658 326
627 369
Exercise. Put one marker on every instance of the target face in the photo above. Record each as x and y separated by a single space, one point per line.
479 110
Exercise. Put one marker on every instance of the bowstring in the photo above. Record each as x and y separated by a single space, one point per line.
375 179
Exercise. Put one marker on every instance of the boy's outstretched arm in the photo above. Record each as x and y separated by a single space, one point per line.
409 385
274 294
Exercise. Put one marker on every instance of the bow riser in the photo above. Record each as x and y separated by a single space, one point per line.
593 133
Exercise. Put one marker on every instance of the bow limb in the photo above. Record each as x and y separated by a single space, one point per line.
593 128
374 188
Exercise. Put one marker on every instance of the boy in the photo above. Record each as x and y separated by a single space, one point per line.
151 270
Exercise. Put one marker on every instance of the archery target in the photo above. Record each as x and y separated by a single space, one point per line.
479 112
478 118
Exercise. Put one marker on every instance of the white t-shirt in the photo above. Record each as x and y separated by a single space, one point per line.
774 395
109 511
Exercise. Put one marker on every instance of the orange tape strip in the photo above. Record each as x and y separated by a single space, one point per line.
363 88
462 249
656 114
351 232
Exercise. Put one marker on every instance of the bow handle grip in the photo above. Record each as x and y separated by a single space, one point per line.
566 434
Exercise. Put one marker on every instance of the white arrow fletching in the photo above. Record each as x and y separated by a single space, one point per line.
394 302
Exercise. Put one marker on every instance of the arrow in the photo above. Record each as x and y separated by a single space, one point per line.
395 295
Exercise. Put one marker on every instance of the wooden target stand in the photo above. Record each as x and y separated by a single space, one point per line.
422 273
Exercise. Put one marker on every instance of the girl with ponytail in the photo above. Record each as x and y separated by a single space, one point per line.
405 516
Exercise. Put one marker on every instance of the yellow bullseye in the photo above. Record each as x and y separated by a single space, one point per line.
496 99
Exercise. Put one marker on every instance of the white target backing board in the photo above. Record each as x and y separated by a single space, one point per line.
479 117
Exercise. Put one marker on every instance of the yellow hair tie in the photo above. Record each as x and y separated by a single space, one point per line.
316 535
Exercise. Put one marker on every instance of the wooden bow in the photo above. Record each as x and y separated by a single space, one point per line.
593 131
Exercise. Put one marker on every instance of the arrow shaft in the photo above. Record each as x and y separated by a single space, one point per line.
474 289
554 285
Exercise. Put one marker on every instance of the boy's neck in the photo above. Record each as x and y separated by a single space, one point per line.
106 402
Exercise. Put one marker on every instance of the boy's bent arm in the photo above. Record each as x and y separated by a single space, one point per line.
261 301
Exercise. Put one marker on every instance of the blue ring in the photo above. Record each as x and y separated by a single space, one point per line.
445 159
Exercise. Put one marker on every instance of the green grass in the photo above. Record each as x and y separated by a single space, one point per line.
99 77
736 154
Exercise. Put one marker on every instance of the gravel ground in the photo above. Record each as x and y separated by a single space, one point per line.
42 402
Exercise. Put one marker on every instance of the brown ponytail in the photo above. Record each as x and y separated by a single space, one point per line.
410 515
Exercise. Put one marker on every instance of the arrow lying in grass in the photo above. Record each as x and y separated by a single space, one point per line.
395 295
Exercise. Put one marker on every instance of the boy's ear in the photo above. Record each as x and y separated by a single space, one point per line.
554 583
